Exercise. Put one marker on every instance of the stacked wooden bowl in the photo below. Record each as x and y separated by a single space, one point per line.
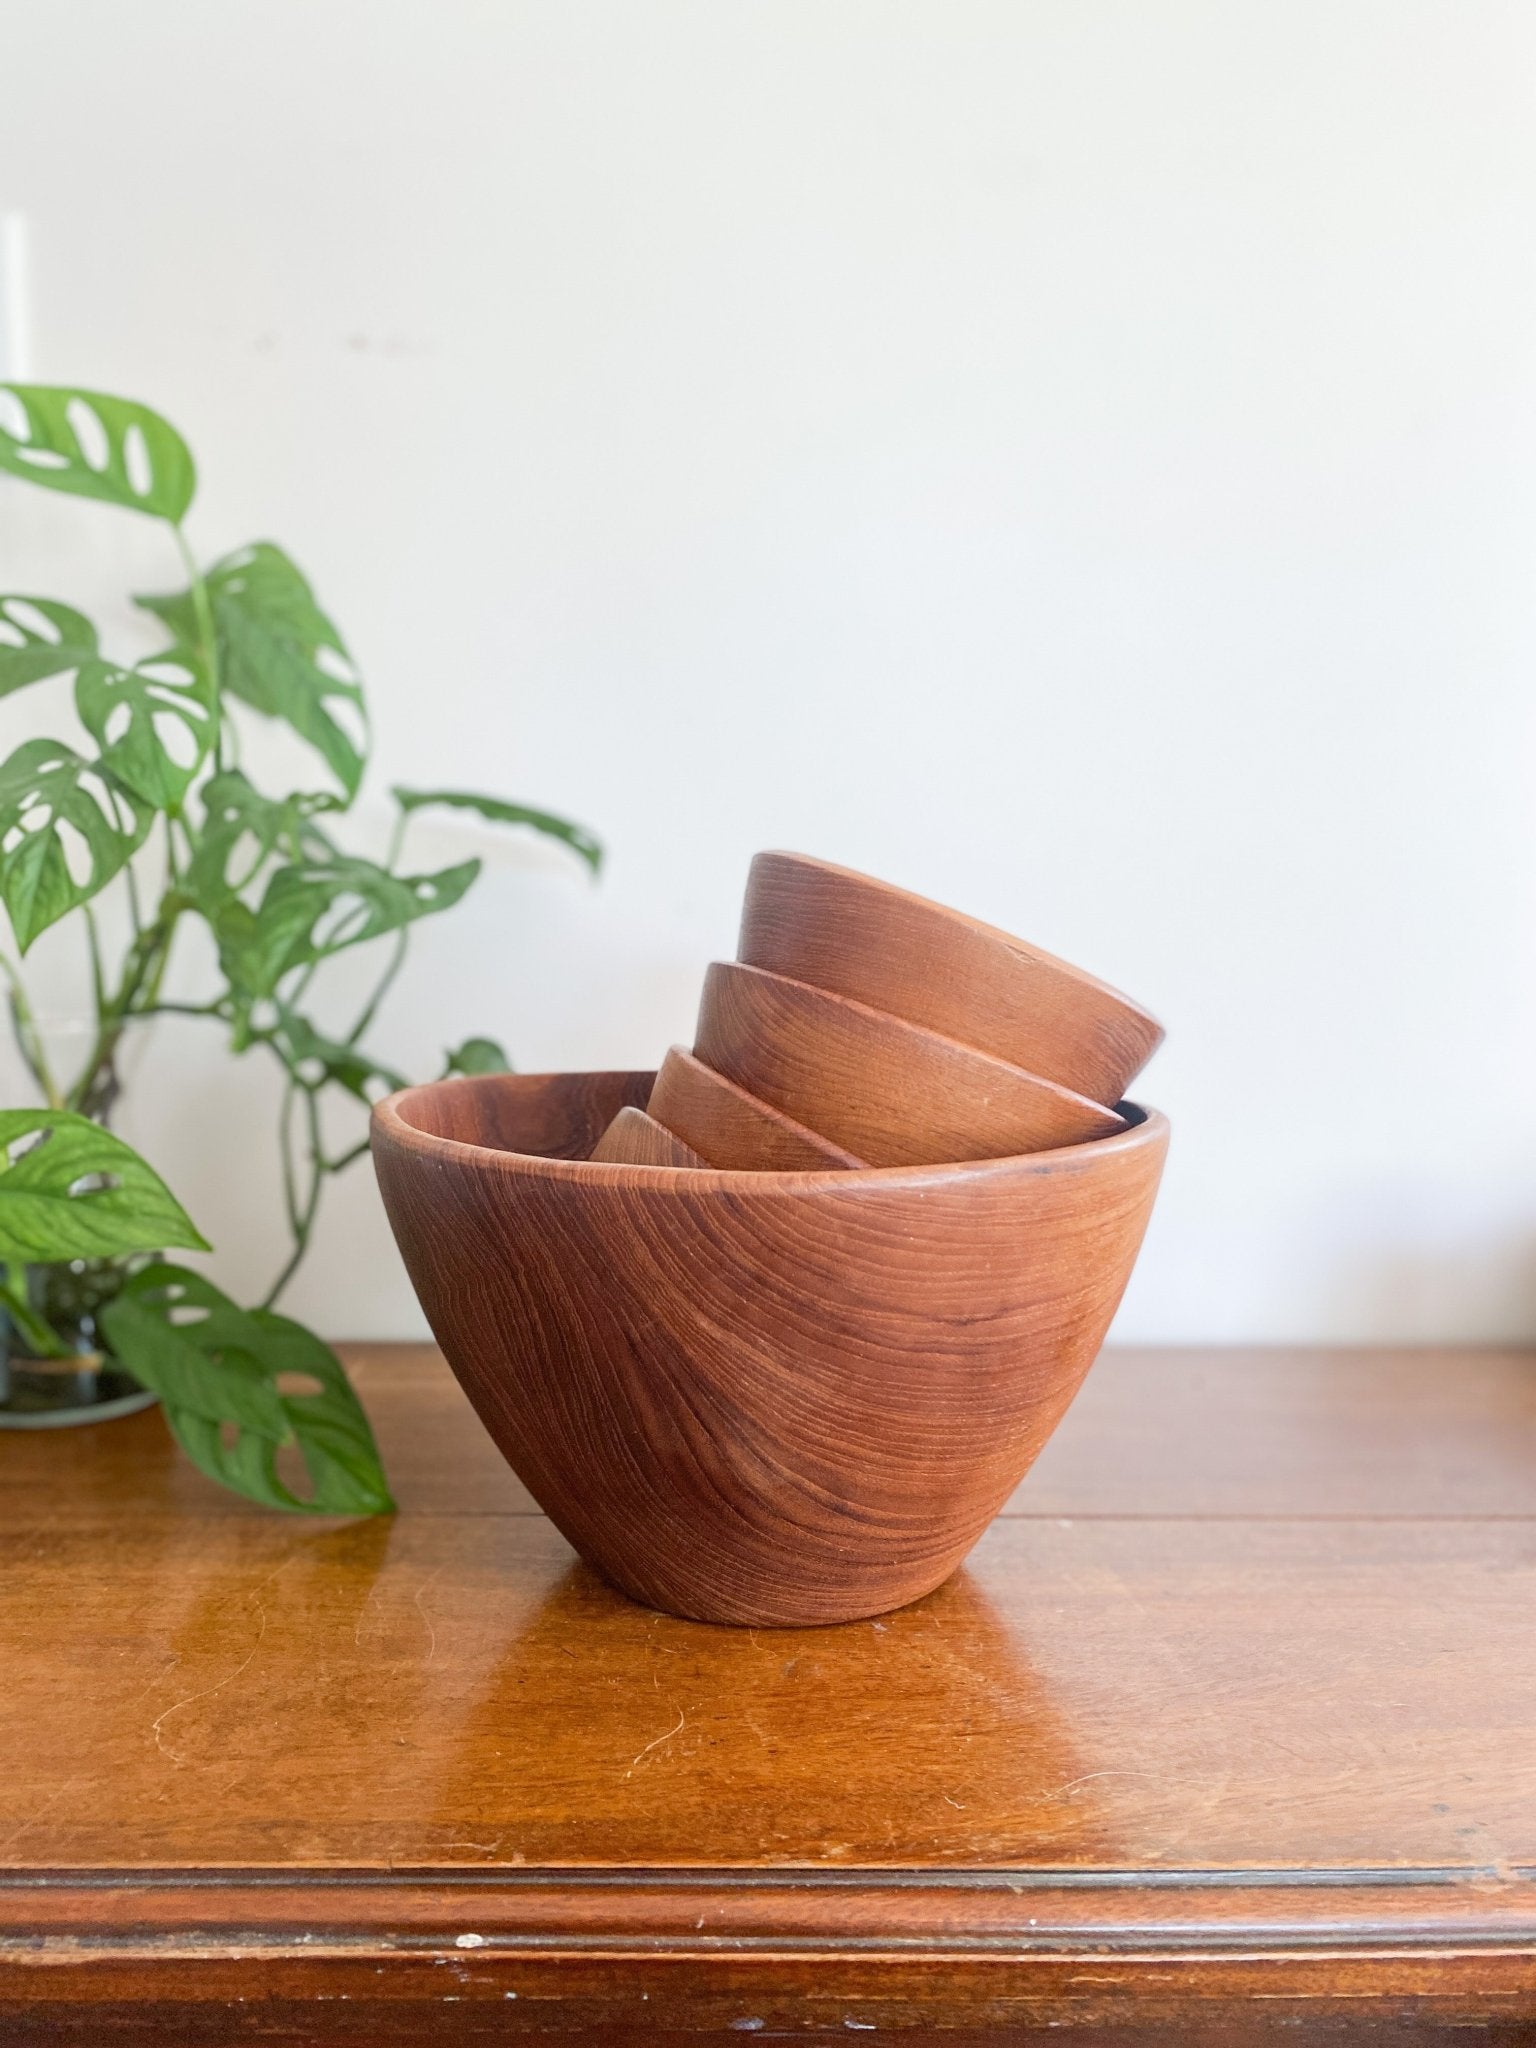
773 1333
862 1026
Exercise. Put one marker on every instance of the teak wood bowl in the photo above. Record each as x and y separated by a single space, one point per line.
890 1091
729 1127
635 1139
762 1398
880 945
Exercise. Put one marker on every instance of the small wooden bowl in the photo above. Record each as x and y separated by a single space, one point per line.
889 1091
879 945
770 1398
635 1139
731 1128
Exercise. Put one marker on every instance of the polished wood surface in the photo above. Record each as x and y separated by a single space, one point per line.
891 1092
758 1398
732 1128
895 951
635 1139
1223 1733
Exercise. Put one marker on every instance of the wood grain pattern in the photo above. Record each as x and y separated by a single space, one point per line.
1213 1739
732 1128
892 1092
882 946
763 1399
635 1139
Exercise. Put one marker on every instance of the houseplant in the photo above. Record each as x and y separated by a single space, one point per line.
157 812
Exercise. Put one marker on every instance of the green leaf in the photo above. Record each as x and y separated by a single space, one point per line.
477 1056
241 828
70 1190
313 909
236 1384
39 638
313 1058
50 799
130 713
171 1360
577 837
278 652
98 447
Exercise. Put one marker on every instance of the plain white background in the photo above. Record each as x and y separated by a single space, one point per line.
1078 461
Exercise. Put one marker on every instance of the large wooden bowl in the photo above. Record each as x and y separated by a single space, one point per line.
888 1091
771 1398
883 946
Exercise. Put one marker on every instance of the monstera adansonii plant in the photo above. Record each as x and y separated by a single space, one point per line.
158 808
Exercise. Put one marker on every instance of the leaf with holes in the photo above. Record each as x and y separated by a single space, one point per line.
312 909
279 652
96 447
70 1190
52 803
237 1384
241 829
153 722
577 837
477 1056
39 638
313 1059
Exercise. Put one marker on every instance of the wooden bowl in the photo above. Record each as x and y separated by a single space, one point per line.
635 1139
889 1091
729 1127
861 938
768 1398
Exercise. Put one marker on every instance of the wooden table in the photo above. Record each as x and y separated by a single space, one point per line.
1229 1725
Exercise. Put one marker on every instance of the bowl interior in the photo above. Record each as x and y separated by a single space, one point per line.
543 1116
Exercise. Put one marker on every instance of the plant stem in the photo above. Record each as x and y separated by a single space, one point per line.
135 912
173 872
28 1042
350 921
44 1342
138 995
93 941
180 1010
285 1147
385 983
208 635
301 1217
304 1221
396 839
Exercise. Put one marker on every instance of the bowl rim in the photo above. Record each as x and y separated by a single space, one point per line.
1146 1128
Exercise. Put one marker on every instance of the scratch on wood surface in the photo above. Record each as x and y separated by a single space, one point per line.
657 1740
421 1592
207 1694
159 1678
373 1601
1087 1778
42 1813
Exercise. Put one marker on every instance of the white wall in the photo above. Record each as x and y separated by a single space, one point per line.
1078 461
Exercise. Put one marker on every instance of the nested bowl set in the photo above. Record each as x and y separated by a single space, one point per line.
772 1333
